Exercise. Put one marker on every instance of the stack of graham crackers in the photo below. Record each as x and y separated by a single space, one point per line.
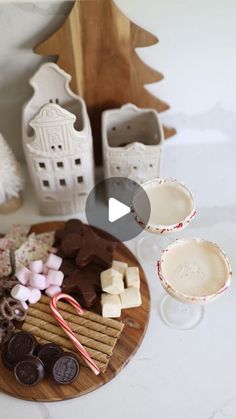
98 335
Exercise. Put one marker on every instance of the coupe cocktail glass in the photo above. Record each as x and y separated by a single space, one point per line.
193 271
172 209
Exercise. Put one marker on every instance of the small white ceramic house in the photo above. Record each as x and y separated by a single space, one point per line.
57 143
132 143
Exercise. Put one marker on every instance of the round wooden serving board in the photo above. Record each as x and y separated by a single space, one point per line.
135 320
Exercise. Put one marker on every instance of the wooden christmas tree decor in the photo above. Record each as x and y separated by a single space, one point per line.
96 45
11 180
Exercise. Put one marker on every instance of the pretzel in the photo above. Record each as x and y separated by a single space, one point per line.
11 309
6 330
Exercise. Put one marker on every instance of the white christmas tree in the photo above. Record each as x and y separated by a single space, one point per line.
11 179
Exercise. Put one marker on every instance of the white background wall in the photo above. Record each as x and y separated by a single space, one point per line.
196 54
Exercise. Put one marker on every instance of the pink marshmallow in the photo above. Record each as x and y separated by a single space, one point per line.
53 262
55 278
37 281
36 266
21 293
24 305
23 275
45 270
52 290
35 295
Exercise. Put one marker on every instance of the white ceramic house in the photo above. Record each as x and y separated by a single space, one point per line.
57 142
132 143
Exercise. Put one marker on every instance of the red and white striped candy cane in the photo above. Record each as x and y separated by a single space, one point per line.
67 329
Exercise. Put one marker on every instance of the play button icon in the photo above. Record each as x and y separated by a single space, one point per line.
110 207
116 210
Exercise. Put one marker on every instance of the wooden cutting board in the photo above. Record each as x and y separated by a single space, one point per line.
135 320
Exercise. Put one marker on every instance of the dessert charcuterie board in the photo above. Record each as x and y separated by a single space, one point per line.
129 338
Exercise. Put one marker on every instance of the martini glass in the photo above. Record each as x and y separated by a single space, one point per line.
193 272
172 209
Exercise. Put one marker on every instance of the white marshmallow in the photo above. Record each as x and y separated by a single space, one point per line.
36 266
111 306
52 290
119 266
24 305
130 298
35 295
112 281
55 278
45 270
132 277
23 275
21 293
53 262
37 281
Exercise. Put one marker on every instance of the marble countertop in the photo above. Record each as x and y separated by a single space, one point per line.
174 374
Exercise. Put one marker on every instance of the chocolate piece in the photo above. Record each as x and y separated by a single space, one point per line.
71 244
84 284
12 309
59 234
68 266
75 226
29 370
47 353
95 249
64 369
85 254
8 360
21 344
7 328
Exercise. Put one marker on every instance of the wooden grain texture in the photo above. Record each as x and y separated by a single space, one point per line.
96 45
135 320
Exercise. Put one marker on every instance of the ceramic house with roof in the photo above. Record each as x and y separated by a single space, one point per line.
132 141
58 144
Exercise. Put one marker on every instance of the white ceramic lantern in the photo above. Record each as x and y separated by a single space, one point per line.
132 143
57 142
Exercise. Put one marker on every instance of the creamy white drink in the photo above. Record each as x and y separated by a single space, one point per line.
195 268
172 204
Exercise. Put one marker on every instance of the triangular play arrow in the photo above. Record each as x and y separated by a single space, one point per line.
116 210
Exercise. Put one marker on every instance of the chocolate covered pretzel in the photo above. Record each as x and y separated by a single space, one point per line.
11 309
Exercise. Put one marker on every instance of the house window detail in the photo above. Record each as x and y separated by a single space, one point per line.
77 162
80 179
46 183
62 182
60 164
42 165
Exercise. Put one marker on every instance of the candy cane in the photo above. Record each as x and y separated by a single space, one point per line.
68 331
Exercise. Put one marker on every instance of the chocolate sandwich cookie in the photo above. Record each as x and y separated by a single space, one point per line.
8 360
29 370
47 352
21 344
64 368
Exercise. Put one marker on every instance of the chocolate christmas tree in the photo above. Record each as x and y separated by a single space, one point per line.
96 45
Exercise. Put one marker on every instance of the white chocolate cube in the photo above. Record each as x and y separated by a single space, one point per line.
111 306
130 298
112 281
132 277
119 266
